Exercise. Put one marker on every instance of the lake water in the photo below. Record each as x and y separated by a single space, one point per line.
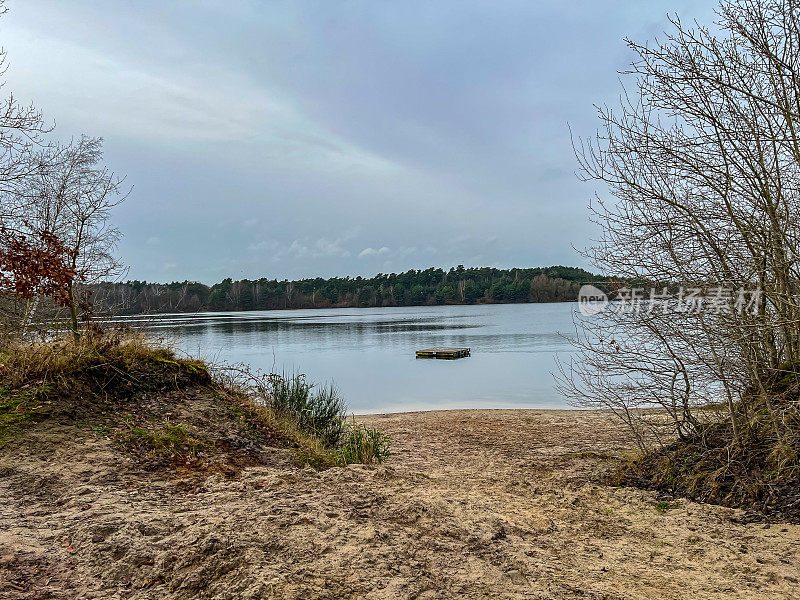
369 353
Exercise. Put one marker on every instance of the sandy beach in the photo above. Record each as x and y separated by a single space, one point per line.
473 504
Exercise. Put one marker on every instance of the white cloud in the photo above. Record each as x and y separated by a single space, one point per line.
372 252
153 241
298 249
327 247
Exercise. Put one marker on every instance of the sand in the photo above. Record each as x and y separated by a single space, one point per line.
474 504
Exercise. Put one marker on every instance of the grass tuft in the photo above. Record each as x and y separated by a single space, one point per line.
364 445
663 506
318 411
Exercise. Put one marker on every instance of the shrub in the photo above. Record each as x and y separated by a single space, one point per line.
315 412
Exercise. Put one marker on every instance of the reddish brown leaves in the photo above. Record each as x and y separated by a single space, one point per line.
35 265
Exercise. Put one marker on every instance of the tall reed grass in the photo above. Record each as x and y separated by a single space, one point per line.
318 411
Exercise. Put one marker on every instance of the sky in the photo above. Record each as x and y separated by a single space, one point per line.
331 138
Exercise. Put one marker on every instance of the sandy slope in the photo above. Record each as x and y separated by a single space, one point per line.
475 504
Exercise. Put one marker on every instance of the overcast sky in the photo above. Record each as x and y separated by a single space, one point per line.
334 138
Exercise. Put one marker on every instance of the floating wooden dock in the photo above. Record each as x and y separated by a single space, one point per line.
443 353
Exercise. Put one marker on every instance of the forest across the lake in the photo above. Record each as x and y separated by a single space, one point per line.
458 285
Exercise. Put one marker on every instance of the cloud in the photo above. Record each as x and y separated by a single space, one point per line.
257 131
298 249
372 252
325 247
243 118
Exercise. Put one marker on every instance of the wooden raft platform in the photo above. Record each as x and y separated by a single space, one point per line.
443 353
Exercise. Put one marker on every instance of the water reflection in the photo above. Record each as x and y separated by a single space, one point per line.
369 353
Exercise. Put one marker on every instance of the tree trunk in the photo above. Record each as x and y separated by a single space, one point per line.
73 313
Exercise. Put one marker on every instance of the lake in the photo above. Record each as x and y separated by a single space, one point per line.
368 354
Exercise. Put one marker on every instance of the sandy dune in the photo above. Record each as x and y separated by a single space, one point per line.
474 504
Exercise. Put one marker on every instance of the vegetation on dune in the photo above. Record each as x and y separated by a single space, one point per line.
317 415
757 466
128 389
54 362
92 381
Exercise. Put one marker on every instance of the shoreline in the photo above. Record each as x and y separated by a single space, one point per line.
602 411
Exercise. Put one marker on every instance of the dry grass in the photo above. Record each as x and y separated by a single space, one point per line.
22 363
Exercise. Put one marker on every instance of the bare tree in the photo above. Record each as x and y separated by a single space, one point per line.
702 163
22 132
71 195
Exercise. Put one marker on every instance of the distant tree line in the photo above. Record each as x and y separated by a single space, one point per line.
431 286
